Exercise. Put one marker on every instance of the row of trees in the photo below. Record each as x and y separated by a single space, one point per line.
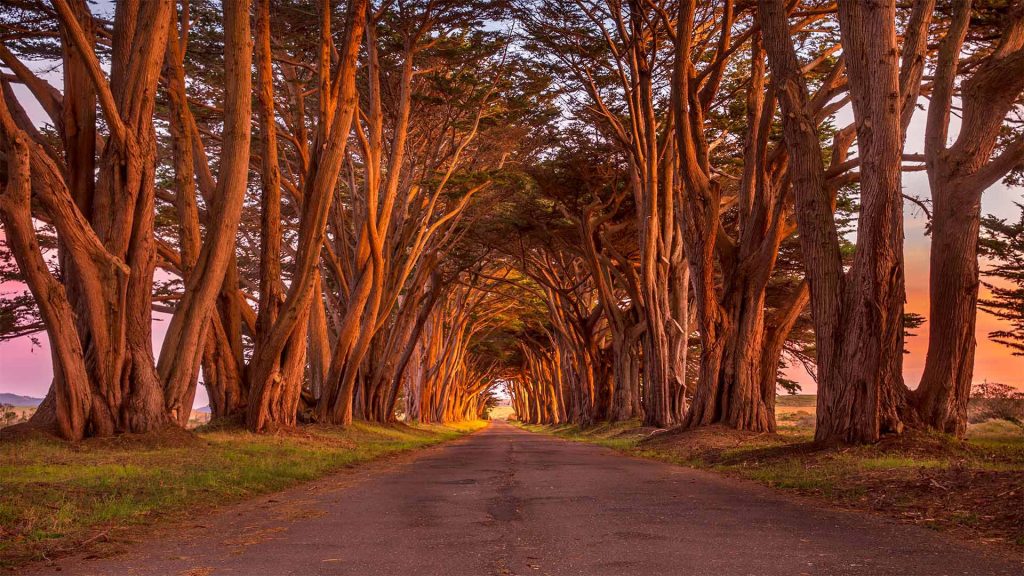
285 181
737 162
614 209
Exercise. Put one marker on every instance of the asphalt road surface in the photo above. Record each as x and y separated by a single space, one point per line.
507 502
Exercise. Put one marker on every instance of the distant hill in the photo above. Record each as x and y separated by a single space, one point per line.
796 400
204 410
16 400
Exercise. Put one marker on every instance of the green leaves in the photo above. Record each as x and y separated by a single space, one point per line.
1002 243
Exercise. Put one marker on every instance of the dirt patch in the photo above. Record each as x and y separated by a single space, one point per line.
167 437
637 432
926 445
710 443
987 505
26 432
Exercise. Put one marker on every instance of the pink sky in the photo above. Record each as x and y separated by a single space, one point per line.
26 369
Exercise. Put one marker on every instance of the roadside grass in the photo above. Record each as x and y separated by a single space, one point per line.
58 498
618 435
973 488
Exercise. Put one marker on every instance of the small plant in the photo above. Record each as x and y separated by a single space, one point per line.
8 414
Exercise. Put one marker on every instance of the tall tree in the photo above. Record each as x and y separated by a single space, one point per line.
982 71
105 376
276 369
857 315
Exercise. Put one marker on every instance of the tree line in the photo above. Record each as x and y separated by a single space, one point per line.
608 209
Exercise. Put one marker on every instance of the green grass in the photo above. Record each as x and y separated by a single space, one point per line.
611 435
56 495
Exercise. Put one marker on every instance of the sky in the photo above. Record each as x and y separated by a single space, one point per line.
26 368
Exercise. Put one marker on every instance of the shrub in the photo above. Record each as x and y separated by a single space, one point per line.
994 400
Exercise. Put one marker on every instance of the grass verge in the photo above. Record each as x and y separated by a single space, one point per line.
973 489
58 498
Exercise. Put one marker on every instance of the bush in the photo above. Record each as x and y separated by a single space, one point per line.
993 400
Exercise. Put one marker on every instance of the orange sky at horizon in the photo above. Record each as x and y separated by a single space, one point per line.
992 361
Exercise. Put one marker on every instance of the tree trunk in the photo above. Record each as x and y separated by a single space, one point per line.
941 398
67 406
626 374
107 240
180 356
319 342
857 407
745 405
284 339
222 374
858 318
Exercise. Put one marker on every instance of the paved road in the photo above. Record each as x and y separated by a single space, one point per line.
506 502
